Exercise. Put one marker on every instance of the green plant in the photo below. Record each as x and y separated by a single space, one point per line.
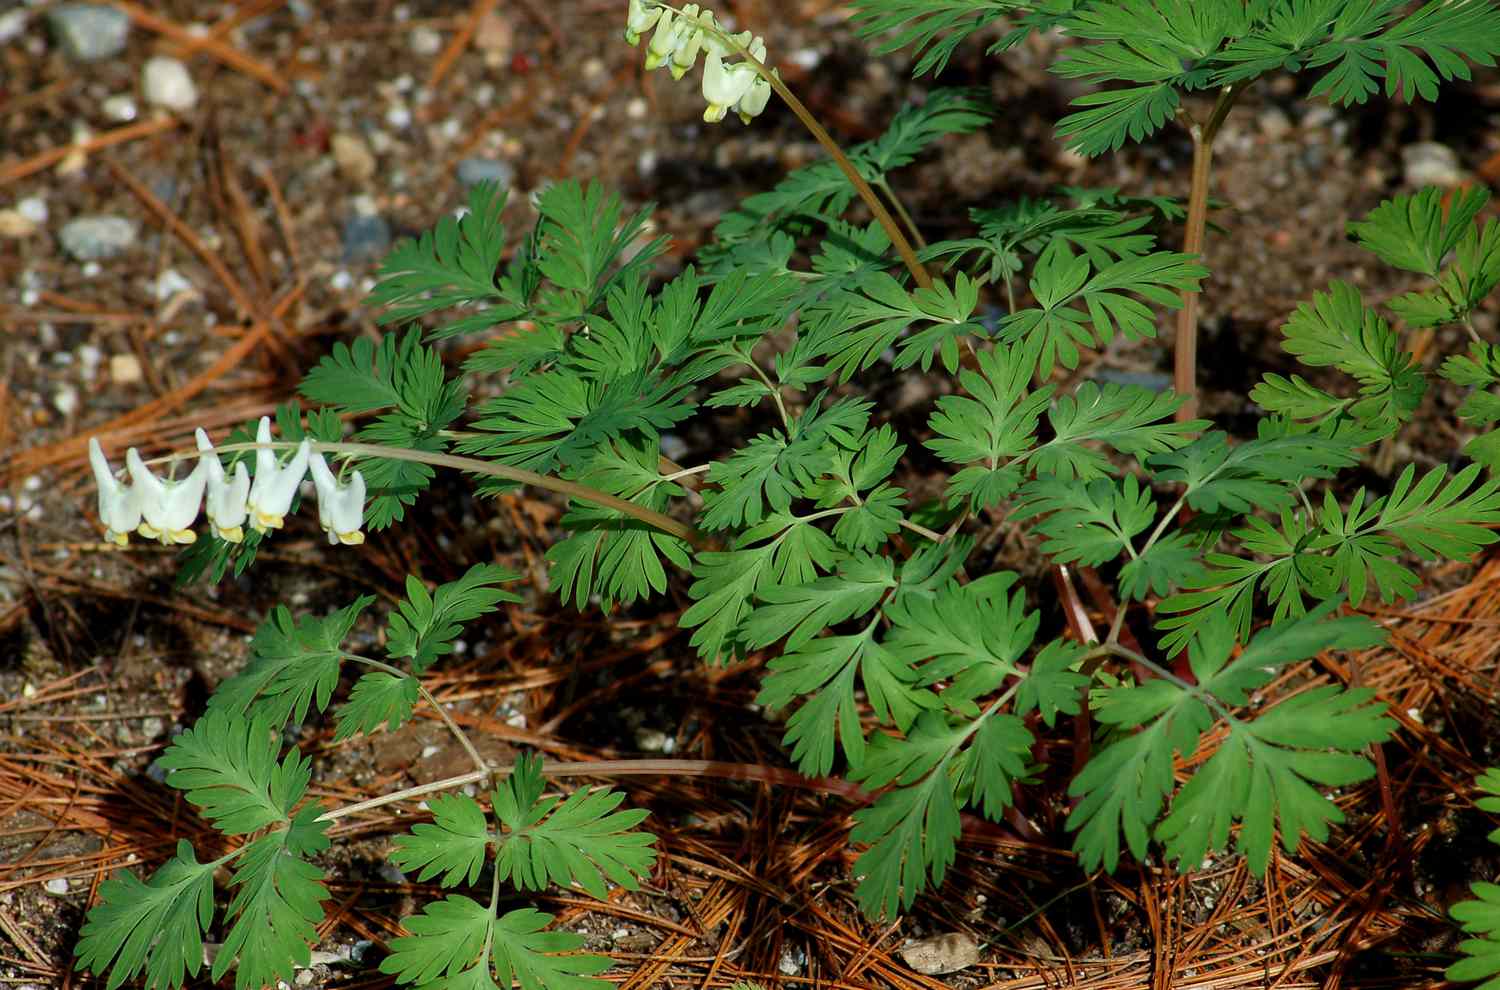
1481 917
893 647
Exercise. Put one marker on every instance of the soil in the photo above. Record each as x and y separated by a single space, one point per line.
243 274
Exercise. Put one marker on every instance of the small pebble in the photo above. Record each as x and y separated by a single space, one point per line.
366 237
12 23
353 155
1428 163
94 238
941 954
120 108
472 171
425 41
14 224
57 886
124 369
493 36
398 116
89 32
169 283
65 400
341 281
165 83
1274 123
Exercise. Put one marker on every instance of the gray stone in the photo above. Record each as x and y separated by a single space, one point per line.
165 82
1428 163
366 237
472 171
94 238
89 32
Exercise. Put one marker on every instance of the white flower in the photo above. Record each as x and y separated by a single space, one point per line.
639 20
118 508
664 41
226 504
755 99
725 85
168 507
275 484
341 508
690 39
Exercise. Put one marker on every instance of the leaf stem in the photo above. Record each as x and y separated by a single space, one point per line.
1185 353
616 768
458 733
1166 674
921 530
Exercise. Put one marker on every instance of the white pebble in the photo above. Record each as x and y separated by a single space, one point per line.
398 116
33 208
120 108
169 283
165 83
92 269
57 885
425 41
340 281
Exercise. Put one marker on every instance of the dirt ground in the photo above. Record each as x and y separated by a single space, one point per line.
255 236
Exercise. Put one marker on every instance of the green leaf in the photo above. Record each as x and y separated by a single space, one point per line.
1052 685
227 765
911 830
970 635
377 697
155 928
451 265
453 843
996 425
579 840
583 242
424 626
1481 916
1091 523
1052 331
1415 233
931 28
1128 418
996 759
800 612
277 905
608 553
294 664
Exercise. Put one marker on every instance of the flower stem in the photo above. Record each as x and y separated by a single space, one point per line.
1185 353
650 517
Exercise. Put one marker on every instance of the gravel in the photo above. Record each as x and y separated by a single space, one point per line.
96 238
366 237
472 171
89 32
165 82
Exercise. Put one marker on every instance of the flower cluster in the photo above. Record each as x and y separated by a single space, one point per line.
165 509
681 35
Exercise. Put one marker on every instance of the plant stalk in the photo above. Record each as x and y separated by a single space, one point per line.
1185 352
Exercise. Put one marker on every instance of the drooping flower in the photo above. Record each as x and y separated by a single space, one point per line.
664 41
724 85
753 103
226 505
341 508
168 507
640 19
118 508
275 484
691 40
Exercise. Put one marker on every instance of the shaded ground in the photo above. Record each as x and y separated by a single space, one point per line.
250 261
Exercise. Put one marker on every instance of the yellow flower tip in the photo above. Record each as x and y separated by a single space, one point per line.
264 522
678 71
745 118
118 539
234 534
714 113
654 61
631 38
148 531
353 539
183 536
